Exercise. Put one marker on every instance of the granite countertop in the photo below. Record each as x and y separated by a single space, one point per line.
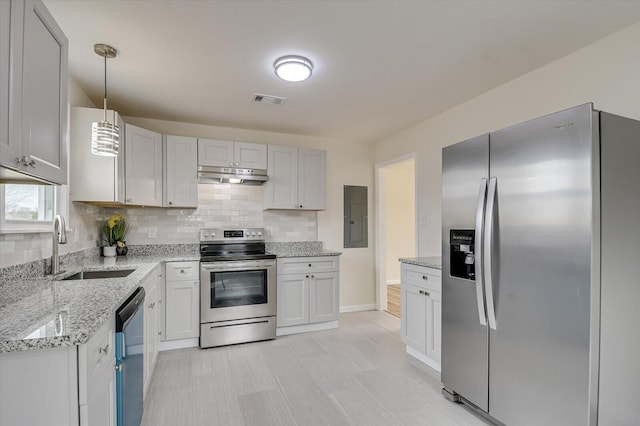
299 249
430 262
41 313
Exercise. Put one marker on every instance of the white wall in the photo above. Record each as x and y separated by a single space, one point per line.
348 163
605 72
399 216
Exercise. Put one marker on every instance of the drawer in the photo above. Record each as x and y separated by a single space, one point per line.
95 358
182 271
422 276
299 265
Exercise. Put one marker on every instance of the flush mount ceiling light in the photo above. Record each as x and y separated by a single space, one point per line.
105 136
293 68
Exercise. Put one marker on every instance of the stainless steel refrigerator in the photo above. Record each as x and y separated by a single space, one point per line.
541 267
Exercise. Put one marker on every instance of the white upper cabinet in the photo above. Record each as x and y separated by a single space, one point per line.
180 172
94 178
218 153
143 160
282 187
312 179
297 178
215 153
8 147
250 155
34 58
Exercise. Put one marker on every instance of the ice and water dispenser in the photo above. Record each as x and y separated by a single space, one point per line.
462 242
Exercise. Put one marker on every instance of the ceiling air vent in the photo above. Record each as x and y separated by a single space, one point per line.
268 99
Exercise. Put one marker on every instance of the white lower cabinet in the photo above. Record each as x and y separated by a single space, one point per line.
308 297
421 313
67 385
100 410
182 300
152 323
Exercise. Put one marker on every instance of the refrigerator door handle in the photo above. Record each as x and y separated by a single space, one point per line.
488 247
482 198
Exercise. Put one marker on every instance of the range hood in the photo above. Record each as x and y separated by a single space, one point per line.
208 174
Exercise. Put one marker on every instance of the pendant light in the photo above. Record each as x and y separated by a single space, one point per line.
105 136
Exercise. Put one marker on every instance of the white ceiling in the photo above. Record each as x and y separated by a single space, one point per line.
380 66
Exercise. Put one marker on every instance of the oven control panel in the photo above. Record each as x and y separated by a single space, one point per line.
230 235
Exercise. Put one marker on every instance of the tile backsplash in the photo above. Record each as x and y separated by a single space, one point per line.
219 206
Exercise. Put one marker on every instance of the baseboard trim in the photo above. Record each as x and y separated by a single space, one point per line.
305 328
357 308
423 358
392 282
170 345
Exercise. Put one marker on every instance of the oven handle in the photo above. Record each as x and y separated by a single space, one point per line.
238 325
216 266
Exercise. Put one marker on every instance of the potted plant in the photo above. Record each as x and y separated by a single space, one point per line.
115 231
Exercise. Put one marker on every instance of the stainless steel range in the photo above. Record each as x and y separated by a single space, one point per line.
238 287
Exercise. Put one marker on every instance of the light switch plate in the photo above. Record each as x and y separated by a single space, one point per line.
152 232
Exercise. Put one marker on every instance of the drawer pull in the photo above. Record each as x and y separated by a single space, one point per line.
309 265
104 350
421 292
424 277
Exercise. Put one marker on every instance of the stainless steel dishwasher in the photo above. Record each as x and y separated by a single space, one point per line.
129 360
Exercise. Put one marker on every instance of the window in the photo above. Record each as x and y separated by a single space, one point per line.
26 207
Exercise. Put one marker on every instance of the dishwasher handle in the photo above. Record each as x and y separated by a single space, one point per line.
128 309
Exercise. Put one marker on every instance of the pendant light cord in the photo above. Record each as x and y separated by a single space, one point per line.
105 86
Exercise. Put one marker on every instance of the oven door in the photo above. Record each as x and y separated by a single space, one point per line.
232 290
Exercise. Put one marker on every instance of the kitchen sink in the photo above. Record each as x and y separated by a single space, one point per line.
90 275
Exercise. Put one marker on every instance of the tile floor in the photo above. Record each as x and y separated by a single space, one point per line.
358 374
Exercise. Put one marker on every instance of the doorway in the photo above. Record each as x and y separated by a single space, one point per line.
396 227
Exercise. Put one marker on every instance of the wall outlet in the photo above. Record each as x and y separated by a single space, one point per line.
152 232
269 231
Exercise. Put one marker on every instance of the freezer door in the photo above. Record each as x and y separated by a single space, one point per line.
540 265
465 167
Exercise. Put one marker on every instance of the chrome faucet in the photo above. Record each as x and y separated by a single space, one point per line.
59 237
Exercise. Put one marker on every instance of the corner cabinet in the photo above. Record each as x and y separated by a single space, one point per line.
94 178
34 78
180 172
297 178
308 293
421 315
143 165
220 153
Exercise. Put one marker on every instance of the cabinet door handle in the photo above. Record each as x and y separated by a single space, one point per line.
309 265
307 276
424 277
104 350
313 276
170 202
421 292
426 293
300 205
